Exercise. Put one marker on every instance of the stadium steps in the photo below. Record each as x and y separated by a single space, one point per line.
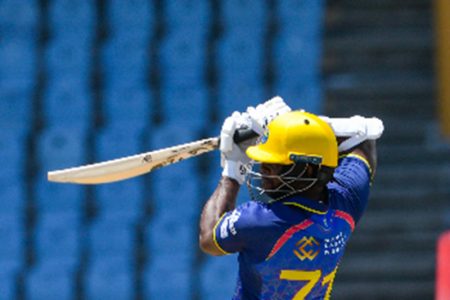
383 289
413 154
378 61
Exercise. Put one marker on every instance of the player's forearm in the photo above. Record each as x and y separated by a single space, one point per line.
222 200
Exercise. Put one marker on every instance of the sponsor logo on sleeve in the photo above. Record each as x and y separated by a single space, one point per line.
228 224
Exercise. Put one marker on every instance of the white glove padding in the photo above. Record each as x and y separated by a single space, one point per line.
357 128
264 113
233 157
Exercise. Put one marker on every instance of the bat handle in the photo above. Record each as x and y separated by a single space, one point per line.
242 135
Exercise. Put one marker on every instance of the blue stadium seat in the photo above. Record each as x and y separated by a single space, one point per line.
170 238
169 135
170 186
69 58
131 17
112 237
126 62
13 143
19 19
186 106
307 95
8 285
241 58
74 18
12 196
58 240
17 60
62 148
296 57
182 59
57 198
48 281
124 200
166 280
303 18
118 141
245 14
12 239
15 107
218 278
238 96
176 186
68 103
109 278
128 107
196 15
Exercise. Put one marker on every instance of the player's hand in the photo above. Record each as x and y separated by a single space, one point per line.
233 157
264 113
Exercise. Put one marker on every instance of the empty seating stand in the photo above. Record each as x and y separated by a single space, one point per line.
218 277
19 20
109 278
182 59
8 285
114 237
131 18
171 238
125 62
165 280
241 58
58 240
49 281
68 103
72 18
124 200
62 148
128 108
70 58
186 106
84 81
194 15
18 59
12 252
245 15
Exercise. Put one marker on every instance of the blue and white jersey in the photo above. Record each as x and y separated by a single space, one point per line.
290 249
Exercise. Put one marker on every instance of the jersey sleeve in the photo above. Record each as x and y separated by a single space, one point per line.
234 231
352 178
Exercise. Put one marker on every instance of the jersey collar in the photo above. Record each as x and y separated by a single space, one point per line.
313 206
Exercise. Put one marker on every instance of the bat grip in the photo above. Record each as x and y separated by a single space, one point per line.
242 135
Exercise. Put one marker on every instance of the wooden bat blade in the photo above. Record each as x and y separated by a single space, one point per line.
132 166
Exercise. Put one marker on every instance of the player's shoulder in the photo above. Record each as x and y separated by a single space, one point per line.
254 213
354 162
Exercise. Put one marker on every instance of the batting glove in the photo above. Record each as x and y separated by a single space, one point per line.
264 113
233 157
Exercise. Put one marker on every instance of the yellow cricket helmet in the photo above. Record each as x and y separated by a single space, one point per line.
297 136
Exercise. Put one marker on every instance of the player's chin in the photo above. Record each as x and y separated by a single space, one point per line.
266 184
269 184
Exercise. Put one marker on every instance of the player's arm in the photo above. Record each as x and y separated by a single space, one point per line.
221 201
233 160
366 151
354 175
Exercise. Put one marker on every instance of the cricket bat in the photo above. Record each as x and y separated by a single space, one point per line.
139 164
136 165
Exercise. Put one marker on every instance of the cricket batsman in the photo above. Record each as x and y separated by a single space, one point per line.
309 179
